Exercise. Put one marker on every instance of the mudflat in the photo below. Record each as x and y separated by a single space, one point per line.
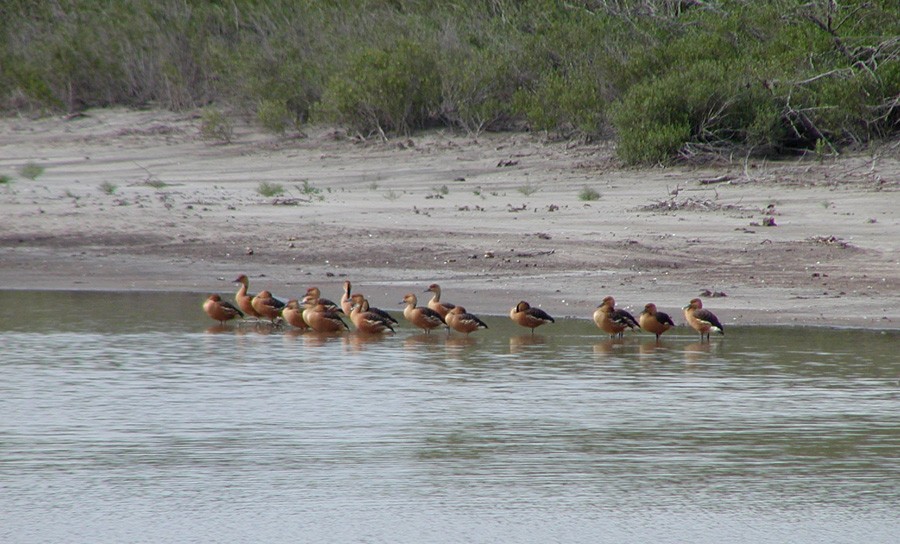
137 200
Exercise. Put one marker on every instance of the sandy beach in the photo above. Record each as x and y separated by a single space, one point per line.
137 200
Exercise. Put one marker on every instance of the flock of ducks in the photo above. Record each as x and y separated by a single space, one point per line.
322 315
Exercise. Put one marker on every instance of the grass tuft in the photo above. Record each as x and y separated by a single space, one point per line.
268 190
588 194
31 171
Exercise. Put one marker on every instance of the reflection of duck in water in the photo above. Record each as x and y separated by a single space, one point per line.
516 343
608 346
613 321
702 320
458 342
654 321
696 351
220 310
417 341
531 318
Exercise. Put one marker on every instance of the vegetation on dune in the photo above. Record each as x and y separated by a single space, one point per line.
670 79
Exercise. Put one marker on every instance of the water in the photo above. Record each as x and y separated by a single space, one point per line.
128 418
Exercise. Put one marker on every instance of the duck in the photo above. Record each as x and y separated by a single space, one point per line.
243 299
654 321
612 321
421 317
460 320
316 294
346 298
523 314
293 314
320 318
220 310
435 303
384 315
267 306
702 320
366 320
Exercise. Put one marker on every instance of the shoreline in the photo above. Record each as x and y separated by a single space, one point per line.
493 219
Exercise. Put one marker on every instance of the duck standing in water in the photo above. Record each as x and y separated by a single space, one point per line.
523 314
435 303
654 321
267 306
293 314
613 321
366 320
320 318
423 318
702 320
243 299
460 320
220 310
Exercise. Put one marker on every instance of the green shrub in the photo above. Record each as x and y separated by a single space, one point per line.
588 194
384 90
215 125
31 170
274 116
267 189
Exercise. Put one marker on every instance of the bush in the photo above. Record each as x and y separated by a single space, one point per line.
215 125
383 90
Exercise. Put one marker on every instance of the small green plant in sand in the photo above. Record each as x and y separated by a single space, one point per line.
155 183
267 189
4 179
391 195
31 170
588 194
214 125
108 188
309 190
528 189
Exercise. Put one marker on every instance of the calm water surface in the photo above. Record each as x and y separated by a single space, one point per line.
128 418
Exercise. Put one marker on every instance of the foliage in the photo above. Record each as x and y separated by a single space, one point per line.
267 189
215 125
670 79
588 194
31 170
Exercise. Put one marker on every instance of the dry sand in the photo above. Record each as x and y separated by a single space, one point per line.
493 219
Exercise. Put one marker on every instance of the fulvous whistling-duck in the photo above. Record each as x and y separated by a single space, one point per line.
346 299
243 299
612 321
267 306
384 315
220 310
654 321
320 318
293 314
421 317
462 321
316 294
702 320
435 302
523 314
366 320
